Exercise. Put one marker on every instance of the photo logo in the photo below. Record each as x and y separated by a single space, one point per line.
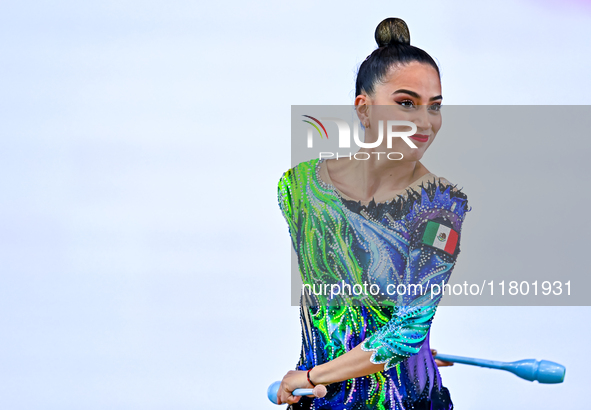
389 130
345 132
317 129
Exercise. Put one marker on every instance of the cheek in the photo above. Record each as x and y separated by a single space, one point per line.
436 123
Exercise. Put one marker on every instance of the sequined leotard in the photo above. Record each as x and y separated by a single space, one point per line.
412 240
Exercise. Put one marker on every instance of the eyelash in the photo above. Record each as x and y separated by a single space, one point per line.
438 105
405 101
431 107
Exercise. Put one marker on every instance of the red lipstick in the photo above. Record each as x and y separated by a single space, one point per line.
420 137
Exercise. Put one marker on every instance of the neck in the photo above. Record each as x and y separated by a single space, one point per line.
374 178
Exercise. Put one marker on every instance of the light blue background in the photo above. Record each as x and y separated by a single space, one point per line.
144 263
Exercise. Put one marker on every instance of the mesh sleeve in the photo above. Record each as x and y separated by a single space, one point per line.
432 254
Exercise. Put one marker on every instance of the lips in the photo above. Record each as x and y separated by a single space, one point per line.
420 137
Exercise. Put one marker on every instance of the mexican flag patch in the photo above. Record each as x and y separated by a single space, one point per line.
440 236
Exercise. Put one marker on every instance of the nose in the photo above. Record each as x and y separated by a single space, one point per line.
421 118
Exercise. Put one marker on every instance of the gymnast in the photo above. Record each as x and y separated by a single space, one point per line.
382 222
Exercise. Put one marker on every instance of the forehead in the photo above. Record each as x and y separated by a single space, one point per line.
419 77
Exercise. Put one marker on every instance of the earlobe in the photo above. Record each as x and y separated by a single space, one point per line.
362 107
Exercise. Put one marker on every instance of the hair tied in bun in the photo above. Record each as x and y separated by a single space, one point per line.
394 49
392 31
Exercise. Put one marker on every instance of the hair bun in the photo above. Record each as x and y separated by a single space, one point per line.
392 31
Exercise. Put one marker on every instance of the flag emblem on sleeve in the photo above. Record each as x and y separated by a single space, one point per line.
441 237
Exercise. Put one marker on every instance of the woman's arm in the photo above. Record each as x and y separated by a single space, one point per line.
355 363
402 337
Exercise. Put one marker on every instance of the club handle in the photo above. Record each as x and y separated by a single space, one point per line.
544 371
302 392
492 364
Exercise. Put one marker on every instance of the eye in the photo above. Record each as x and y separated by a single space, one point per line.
407 103
435 107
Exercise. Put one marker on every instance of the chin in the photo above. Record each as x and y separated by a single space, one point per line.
413 155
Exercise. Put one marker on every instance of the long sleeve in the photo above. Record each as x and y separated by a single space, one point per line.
432 253
287 203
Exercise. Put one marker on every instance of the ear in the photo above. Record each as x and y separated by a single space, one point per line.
362 103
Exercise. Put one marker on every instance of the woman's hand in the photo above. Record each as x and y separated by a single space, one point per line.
294 379
440 363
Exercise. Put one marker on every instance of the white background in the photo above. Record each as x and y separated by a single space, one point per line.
144 263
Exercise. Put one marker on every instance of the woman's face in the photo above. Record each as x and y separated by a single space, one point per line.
411 92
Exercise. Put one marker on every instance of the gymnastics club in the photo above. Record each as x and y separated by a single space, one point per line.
543 371
318 391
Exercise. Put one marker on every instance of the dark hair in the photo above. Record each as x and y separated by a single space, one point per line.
394 48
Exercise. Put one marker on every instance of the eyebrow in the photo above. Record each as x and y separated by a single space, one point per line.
413 94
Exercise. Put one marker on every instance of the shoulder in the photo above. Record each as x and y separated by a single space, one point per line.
291 188
437 196
435 182
297 176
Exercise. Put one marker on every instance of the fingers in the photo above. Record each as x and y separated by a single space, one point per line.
291 381
287 397
443 363
279 396
440 363
284 396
